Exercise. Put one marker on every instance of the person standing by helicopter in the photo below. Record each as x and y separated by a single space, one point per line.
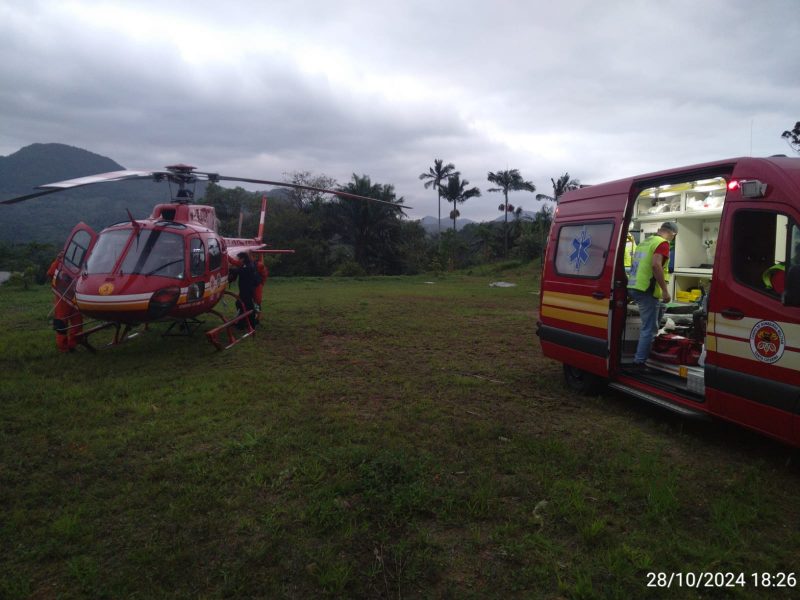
67 321
249 280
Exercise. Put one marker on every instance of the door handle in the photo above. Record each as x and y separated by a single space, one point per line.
732 313
598 294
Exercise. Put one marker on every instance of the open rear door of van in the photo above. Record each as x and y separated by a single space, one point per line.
577 289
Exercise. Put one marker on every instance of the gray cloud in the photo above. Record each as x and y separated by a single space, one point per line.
599 89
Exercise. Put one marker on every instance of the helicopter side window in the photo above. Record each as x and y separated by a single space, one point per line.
76 251
155 252
214 255
107 251
198 257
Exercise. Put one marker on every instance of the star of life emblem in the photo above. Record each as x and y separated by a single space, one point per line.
581 245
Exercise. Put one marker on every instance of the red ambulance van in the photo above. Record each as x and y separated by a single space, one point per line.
730 342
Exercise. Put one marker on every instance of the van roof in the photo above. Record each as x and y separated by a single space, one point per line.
789 166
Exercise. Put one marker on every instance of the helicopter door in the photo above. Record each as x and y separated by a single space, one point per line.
197 269
76 251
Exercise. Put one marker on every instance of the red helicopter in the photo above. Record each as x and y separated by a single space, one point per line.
173 266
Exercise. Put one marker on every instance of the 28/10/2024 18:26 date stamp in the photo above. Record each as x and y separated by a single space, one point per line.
710 579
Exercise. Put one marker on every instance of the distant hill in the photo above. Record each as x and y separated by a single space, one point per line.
526 215
50 218
23 170
431 224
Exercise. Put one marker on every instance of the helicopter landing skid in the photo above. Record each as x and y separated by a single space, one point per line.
121 334
240 325
186 327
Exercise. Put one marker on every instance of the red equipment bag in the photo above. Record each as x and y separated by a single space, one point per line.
675 350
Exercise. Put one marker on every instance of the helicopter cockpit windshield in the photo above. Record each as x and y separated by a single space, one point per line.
151 252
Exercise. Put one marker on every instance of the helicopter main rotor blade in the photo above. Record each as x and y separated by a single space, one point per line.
216 177
67 184
99 178
27 197
173 175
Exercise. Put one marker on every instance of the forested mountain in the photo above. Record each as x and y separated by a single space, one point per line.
50 218
328 235
23 170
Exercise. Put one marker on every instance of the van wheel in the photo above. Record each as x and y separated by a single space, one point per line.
578 380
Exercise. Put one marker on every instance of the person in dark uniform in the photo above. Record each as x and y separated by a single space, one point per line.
248 282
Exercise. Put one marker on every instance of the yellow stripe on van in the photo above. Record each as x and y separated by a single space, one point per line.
576 308
576 302
572 316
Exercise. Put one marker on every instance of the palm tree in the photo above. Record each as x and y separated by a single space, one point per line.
542 221
508 180
793 137
435 175
560 186
456 192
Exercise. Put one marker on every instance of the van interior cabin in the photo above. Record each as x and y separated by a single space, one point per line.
758 241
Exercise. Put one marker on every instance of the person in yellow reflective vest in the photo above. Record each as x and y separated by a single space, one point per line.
774 278
647 285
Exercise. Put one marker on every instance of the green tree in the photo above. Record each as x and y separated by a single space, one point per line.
23 257
435 175
533 234
509 180
231 205
484 239
25 278
305 231
560 186
793 137
416 249
373 229
455 250
457 192
304 198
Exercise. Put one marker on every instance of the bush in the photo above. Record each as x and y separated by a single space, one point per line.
350 268
24 279
528 247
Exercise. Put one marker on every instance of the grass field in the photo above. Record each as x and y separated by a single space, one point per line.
377 438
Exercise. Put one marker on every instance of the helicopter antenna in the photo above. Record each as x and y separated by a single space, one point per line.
136 225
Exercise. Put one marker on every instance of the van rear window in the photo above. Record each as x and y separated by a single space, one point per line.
582 249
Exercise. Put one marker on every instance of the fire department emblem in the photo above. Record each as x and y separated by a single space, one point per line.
767 341
106 289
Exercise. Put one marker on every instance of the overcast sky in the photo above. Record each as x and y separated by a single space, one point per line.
599 88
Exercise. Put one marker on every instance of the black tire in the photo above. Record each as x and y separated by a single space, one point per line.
578 380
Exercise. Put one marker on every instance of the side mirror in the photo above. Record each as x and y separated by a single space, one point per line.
791 293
